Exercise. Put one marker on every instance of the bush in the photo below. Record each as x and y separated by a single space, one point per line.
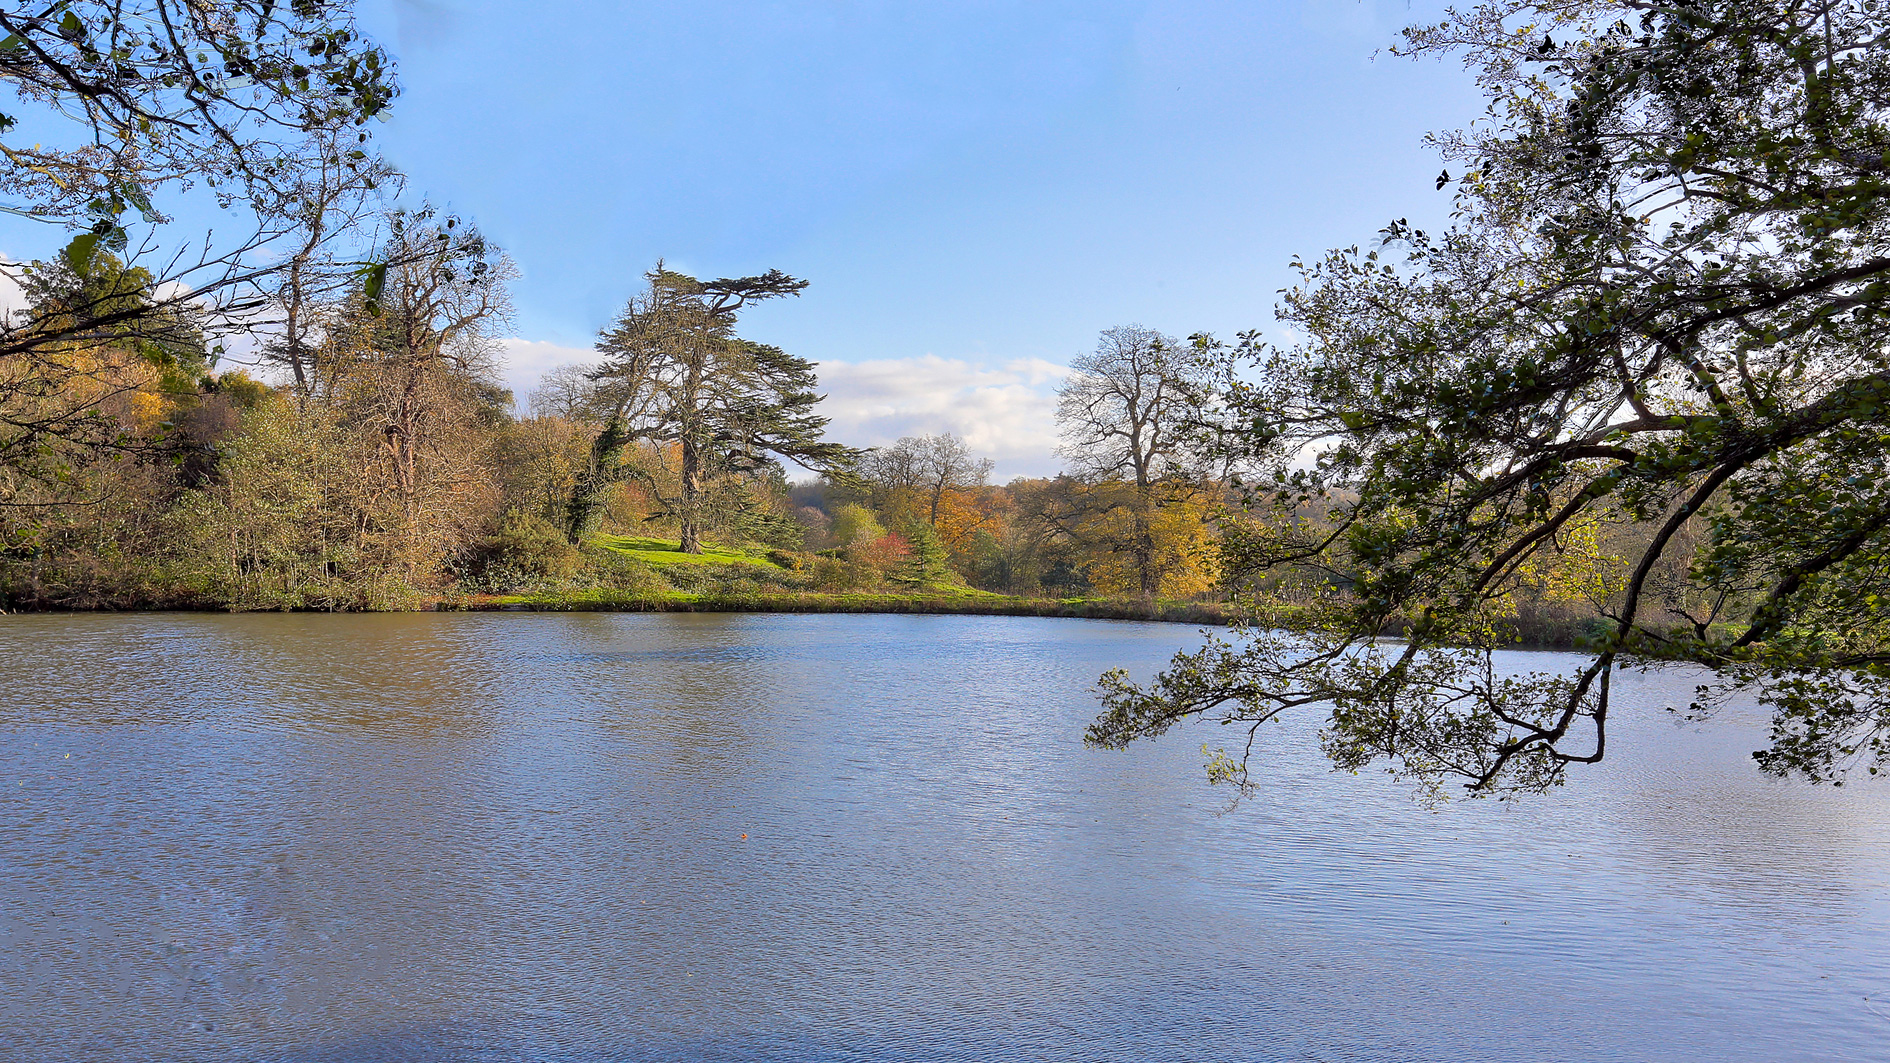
790 560
854 525
612 570
832 575
881 555
530 545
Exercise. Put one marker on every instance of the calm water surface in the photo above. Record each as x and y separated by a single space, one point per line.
520 837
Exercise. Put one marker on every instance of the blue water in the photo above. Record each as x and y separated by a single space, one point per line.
519 837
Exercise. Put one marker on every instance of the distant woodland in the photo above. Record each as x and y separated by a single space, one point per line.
383 467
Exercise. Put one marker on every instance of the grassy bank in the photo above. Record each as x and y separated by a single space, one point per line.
976 604
655 576
631 573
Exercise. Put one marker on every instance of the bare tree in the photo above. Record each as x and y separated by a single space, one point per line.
567 393
1126 412
426 335
932 464
330 200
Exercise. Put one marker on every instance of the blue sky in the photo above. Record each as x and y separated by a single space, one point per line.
974 189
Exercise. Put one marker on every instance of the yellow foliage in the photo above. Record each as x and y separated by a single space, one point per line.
1182 549
1574 567
1182 541
147 409
959 518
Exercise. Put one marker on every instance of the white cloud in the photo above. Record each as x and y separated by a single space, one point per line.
12 296
524 361
1006 413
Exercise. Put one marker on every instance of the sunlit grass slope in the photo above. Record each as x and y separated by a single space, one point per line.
653 551
730 579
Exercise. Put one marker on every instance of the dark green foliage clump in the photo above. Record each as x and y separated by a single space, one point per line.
926 563
528 545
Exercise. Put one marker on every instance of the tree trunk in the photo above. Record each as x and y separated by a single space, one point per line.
586 506
1143 549
691 508
406 429
292 334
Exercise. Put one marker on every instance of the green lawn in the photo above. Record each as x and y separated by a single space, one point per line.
664 552
931 598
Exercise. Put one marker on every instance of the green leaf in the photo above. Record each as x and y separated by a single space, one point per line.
373 282
135 196
78 253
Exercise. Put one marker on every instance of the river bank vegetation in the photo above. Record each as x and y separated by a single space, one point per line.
399 477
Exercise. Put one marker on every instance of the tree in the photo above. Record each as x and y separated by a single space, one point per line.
565 392
1178 537
1127 413
1127 543
538 462
926 563
131 99
66 406
930 465
675 372
962 514
271 529
854 525
430 326
1663 306
412 363
126 102
171 91
331 197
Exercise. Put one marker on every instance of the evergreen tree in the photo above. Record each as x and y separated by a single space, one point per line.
926 563
676 374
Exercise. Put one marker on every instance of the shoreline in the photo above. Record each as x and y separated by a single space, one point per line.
1563 635
599 600
1212 613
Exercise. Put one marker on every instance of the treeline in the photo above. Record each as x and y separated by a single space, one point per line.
386 468
372 461
155 480
1137 513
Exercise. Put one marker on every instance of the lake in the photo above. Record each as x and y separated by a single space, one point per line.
594 836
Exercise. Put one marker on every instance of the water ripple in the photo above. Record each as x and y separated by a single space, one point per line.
590 837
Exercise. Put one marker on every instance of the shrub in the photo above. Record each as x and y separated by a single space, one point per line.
530 545
611 569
